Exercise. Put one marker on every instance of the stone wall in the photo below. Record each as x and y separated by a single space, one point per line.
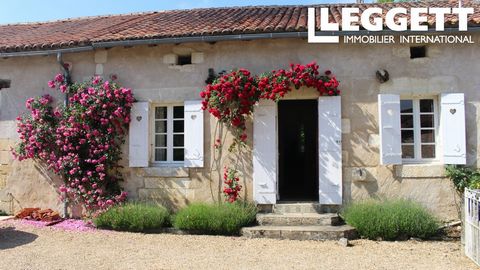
145 69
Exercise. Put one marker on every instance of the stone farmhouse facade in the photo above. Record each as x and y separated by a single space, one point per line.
389 139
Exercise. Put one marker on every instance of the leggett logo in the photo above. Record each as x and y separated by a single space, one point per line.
395 19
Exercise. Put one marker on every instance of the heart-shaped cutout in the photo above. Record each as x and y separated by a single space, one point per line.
193 117
453 111
139 118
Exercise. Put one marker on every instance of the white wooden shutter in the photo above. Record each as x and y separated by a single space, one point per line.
193 133
138 135
265 153
389 125
330 150
452 123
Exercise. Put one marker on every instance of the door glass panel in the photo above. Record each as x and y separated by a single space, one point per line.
177 140
178 126
160 126
178 112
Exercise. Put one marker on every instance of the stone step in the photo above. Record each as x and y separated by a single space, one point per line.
301 232
304 219
303 207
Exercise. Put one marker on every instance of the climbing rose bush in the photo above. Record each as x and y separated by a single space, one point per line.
232 187
232 96
82 141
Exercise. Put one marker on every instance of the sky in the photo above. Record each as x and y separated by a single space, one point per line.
20 11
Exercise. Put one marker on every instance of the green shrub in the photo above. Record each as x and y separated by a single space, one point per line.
463 177
222 219
390 219
3 213
133 217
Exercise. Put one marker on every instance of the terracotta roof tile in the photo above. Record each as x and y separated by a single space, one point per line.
185 23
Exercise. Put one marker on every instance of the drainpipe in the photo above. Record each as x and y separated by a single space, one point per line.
68 81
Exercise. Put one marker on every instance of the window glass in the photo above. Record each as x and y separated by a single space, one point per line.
418 127
168 134
406 106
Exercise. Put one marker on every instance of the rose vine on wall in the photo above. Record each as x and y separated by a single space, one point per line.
81 141
232 96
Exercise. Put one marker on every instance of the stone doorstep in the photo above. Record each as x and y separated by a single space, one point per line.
317 233
295 219
309 207
306 219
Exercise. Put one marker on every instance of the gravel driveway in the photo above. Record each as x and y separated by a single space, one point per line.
27 247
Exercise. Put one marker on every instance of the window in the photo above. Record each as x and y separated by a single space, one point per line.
418 52
184 60
418 129
168 145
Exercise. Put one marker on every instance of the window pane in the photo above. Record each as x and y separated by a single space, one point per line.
178 155
426 105
178 112
160 154
407 121
160 140
178 126
161 113
407 136
160 126
428 151
406 106
428 136
426 120
177 140
408 151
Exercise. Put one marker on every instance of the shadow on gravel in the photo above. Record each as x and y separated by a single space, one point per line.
10 238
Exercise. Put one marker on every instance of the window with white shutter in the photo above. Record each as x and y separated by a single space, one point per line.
168 134
389 125
138 135
452 123
419 129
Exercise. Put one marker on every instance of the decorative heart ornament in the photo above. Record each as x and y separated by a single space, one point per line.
453 111
139 118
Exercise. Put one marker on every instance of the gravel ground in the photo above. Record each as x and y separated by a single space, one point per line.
23 246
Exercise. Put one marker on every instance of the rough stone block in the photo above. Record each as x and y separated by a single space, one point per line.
99 69
166 172
170 59
101 57
197 58
5 157
175 183
346 126
420 171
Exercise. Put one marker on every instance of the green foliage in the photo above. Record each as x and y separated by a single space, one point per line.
222 219
3 213
463 177
390 219
133 217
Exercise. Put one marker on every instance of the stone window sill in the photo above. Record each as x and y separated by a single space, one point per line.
420 171
164 172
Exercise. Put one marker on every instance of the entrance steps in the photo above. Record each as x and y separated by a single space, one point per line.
299 221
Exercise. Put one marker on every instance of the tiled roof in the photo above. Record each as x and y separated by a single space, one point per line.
185 23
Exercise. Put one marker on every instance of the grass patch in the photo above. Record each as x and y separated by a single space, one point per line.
217 219
133 217
390 219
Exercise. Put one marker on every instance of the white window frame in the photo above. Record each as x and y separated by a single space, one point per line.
170 133
417 130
